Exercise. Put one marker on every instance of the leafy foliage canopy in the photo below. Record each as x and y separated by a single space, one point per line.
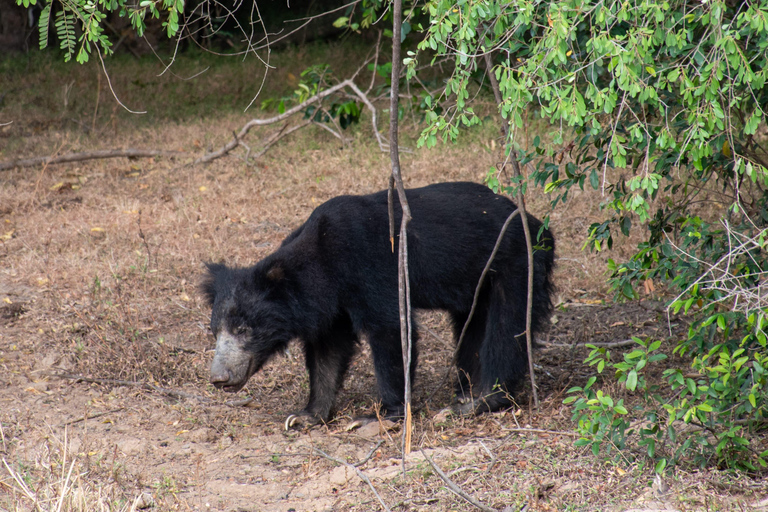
80 24
661 106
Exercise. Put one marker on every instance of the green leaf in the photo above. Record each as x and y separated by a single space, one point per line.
43 25
721 322
405 29
594 179
341 22
632 380
65 30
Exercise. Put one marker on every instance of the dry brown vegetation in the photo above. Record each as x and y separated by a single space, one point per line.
99 267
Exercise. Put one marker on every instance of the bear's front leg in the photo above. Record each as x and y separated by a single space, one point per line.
388 365
327 361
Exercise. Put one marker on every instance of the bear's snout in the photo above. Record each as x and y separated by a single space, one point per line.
220 379
225 382
232 366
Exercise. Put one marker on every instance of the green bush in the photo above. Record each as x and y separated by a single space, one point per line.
660 105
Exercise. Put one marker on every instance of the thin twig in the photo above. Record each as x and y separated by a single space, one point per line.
109 82
606 344
529 309
455 489
329 130
375 63
480 283
91 417
278 136
370 454
356 470
476 297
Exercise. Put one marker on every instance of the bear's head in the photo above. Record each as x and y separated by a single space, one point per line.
250 318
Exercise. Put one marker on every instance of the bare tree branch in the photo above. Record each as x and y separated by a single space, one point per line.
725 277
403 279
238 137
91 417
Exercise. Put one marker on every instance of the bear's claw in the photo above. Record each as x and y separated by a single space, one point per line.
301 419
290 421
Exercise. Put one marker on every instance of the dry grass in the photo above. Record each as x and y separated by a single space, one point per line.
101 264
56 479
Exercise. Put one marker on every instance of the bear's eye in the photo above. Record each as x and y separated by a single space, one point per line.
241 329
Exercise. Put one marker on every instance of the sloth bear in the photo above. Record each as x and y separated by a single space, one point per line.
335 280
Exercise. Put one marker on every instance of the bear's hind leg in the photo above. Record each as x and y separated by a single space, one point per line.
503 354
388 364
327 360
468 356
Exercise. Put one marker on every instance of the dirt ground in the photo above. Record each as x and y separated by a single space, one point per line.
104 346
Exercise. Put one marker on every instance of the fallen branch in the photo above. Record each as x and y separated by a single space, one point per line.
455 489
236 141
606 344
238 137
540 431
356 470
370 454
151 387
88 155
91 417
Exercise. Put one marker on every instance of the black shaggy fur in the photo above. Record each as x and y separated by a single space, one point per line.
334 280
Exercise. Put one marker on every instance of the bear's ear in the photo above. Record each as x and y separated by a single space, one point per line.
208 286
276 274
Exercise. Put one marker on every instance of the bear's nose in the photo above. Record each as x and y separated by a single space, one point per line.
219 379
